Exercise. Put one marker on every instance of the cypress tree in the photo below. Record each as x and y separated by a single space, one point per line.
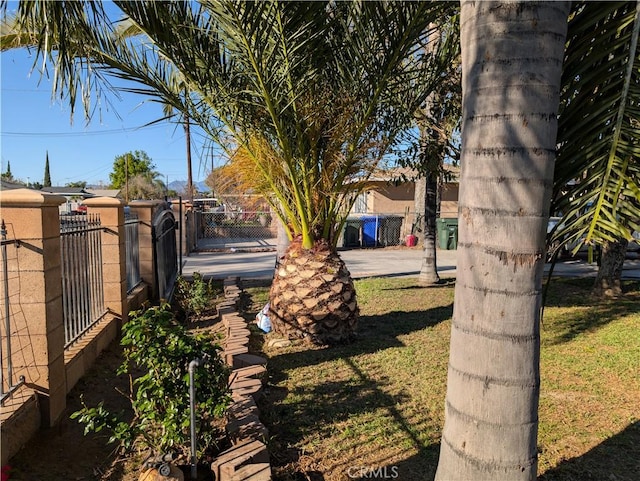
7 175
47 174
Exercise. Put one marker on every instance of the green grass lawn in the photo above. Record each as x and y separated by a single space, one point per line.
379 402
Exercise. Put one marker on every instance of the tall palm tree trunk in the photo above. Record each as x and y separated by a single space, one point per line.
512 59
187 132
609 279
428 271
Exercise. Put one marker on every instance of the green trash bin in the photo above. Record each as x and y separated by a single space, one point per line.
443 233
447 230
452 229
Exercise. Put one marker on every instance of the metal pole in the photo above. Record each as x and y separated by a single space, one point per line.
192 405
180 225
154 256
7 324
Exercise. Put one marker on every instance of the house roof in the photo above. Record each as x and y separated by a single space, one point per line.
68 191
104 192
5 185
395 173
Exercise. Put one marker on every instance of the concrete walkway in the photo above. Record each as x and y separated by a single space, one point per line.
242 260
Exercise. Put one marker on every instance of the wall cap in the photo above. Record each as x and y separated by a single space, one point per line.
29 198
145 203
103 202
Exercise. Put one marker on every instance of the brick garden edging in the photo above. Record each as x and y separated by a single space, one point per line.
248 458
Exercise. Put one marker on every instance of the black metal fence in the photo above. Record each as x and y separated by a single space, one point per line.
132 251
8 382
165 253
82 288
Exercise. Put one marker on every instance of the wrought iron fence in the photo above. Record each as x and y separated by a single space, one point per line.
165 253
250 225
82 288
132 251
8 382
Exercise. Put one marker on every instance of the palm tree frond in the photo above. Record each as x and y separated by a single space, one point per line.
596 173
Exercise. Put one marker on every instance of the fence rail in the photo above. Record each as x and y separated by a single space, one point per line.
82 286
6 353
132 251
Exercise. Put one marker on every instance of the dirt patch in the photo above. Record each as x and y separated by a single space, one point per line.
64 452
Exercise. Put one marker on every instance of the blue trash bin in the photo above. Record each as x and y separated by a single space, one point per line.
370 227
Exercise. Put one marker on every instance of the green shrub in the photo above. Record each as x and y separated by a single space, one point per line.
194 297
155 344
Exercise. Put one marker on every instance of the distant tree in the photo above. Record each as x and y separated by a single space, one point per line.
233 181
47 173
8 176
145 186
36 185
129 165
81 184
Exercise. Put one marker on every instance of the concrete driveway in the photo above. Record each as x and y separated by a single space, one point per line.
374 262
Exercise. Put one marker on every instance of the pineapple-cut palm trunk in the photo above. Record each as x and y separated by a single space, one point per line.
313 296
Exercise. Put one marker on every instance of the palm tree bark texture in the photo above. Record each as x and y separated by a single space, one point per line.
313 296
511 62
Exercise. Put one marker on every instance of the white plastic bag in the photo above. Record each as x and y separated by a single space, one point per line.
263 320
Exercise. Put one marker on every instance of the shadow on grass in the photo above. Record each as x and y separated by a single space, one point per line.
448 282
588 312
617 458
374 333
320 410
295 416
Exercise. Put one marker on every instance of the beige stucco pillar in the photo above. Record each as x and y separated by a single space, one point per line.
146 210
114 269
187 225
35 295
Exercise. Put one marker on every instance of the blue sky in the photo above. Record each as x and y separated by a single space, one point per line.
32 124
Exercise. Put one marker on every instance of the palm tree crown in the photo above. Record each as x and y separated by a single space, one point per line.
309 97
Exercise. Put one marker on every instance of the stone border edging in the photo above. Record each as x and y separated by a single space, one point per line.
248 458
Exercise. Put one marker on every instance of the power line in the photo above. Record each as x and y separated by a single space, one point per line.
78 134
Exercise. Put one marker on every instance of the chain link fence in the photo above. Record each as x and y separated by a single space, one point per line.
237 225
377 230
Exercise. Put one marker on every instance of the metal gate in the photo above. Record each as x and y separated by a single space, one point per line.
165 253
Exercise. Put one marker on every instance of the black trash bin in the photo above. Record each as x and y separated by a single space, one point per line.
351 232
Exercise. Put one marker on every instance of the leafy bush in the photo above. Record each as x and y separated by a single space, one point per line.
157 345
194 297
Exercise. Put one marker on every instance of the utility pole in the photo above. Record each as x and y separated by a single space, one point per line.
126 178
187 131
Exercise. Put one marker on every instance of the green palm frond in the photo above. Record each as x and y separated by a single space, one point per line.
314 93
597 171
